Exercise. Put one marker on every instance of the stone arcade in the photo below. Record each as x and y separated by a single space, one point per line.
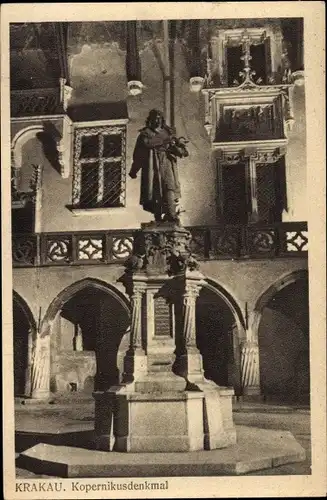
165 403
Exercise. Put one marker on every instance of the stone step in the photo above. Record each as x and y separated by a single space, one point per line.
256 449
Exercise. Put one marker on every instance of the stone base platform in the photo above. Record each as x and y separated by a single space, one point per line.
168 421
256 449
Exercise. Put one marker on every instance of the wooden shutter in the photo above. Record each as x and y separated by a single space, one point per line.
266 192
258 62
271 191
234 194
233 64
281 191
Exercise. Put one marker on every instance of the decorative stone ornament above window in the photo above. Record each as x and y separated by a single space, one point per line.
135 87
99 176
244 115
261 46
65 93
248 87
196 83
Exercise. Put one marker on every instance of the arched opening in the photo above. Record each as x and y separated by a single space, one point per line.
283 336
219 331
26 154
23 330
88 338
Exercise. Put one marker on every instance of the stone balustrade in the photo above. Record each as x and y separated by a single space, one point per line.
288 239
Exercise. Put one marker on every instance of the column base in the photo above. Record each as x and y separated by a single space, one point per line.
251 391
41 394
189 366
135 365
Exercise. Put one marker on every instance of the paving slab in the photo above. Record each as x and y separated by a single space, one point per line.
256 449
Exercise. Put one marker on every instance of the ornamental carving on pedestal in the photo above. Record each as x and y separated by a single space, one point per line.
166 251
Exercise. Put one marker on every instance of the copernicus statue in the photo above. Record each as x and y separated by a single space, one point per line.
155 155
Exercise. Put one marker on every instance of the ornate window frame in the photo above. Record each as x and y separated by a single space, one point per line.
82 129
278 96
251 157
231 37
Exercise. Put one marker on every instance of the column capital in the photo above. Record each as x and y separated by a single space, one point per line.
191 291
138 290
134 284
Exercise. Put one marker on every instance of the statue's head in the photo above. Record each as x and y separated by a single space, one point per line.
155 119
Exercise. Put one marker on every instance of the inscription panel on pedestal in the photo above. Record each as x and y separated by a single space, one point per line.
162 317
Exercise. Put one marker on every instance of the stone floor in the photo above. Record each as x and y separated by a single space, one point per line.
64 418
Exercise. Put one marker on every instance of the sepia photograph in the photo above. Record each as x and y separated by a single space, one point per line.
160 325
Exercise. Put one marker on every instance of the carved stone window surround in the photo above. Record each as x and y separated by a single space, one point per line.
235 37
279 96
252 157
271 149
99 128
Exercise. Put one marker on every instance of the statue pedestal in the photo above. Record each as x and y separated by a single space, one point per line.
164 404
158 421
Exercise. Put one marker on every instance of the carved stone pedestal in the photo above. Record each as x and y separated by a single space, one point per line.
164 404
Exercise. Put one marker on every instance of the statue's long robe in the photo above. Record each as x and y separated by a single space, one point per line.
158 169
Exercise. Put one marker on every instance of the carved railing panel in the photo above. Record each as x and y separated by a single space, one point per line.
226 241
56 249
25 250
262 241
90 247
201 242
34 102
122 246
293 239
208 243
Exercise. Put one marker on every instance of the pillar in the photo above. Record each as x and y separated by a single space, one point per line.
189 360
40 383
250 374
135 359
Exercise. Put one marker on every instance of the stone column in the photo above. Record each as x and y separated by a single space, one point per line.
250 374
136 322
189 359
78 338
40 383
28 372
189 326
135 359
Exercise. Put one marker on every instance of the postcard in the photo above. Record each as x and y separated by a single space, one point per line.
163 233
